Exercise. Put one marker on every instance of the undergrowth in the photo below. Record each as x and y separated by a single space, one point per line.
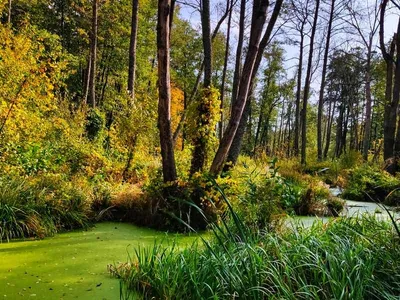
40 208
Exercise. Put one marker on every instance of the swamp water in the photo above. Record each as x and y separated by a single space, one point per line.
352 208
73 265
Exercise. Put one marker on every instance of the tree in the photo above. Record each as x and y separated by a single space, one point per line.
269 94
235 148
258 20
93 55
391 90
307 86
323 81
200 140
222 89
164 88
301 14
132 49
366 32
9 11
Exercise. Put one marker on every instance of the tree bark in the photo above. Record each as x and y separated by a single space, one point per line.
323 82
93 55
206 37
329 128
222 90
396 89
239 49
298 95
307 86
390 107
200 141
368 105
9 12
164 89
258 20
132 49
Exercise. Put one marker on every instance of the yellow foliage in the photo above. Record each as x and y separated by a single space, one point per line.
177 107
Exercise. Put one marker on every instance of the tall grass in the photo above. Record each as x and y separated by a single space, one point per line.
39 209
356 258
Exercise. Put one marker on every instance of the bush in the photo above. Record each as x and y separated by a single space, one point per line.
94 124
365 183
40 207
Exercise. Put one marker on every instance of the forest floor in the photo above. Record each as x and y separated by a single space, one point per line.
73 265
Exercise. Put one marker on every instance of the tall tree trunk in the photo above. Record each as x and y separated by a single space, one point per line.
258 20
298 95
164 89
390 107
329 128
206 37
368 105
132 49
93 55
261 115
222 90
396 89
307 86
237 142
239 49
323 82
390 112
87 80
9 12
289 129
339 130
201 138
62 24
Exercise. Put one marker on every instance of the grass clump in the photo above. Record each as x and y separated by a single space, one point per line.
40 207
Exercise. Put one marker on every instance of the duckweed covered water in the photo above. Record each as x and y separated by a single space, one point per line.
73 265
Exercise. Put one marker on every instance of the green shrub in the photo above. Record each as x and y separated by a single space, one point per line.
350 159
94 123
365 183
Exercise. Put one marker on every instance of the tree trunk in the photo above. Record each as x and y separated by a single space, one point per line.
201 139
87 80
164 89
323 81
93 55
298 95
339 130
222 90
368 105
9 12
396 89
206 37
390 107
329 128
307 87
132 49
239 49
258 20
